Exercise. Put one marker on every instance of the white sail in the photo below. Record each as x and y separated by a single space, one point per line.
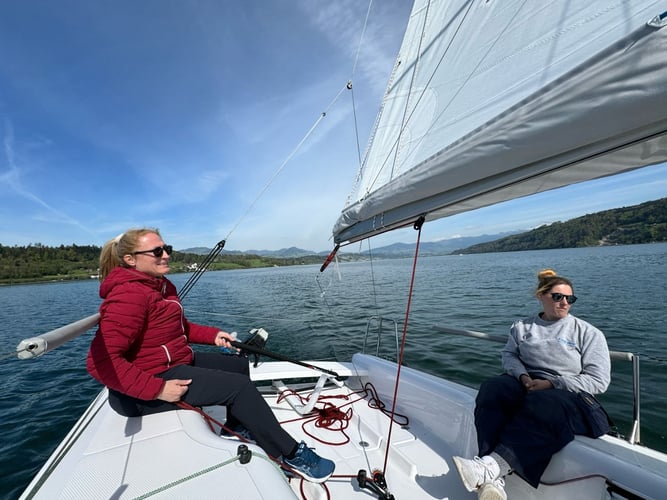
494 100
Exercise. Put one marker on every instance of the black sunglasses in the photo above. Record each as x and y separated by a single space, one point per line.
557 297
157 251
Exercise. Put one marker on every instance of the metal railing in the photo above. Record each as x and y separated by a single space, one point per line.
379 322
41 344
634 436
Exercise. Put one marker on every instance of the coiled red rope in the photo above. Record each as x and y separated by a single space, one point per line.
335 418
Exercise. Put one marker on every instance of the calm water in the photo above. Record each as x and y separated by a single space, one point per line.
621 290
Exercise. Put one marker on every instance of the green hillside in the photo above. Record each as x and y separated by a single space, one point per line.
644 223
38 263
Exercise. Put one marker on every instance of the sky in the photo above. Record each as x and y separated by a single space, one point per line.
214 120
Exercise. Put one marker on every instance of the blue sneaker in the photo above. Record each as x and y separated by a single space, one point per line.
239 433
310 465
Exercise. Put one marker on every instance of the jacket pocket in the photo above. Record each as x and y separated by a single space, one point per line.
596 416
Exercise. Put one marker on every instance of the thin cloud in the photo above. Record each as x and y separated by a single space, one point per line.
13 179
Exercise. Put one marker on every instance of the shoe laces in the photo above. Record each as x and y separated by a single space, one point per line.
488 475
305 456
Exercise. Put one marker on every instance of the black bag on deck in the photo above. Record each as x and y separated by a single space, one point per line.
597 418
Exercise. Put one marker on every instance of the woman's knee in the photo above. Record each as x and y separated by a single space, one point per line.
549 405
499 389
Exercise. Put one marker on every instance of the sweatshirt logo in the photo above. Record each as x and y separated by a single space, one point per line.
567 342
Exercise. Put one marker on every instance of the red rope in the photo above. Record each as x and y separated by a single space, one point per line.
329 417
332 417
418 226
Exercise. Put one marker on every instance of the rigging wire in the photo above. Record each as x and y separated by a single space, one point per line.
349 86
218 248
349 83
361 38
286 161
363 159
201 269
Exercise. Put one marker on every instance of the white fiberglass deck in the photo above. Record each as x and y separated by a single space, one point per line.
178 455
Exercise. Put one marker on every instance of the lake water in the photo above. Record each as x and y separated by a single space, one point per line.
621 290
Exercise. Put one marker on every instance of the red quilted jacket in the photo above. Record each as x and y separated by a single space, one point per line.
142 332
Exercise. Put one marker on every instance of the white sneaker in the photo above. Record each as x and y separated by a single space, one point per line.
477 472
495 490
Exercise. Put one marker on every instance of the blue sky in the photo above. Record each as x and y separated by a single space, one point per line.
186 116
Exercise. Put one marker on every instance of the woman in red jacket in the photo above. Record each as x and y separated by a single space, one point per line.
142 352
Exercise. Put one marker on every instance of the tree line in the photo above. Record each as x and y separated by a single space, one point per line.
644 223
37 262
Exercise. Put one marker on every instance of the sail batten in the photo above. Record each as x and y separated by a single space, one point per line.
596 110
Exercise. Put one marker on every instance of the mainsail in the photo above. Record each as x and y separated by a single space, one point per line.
494 100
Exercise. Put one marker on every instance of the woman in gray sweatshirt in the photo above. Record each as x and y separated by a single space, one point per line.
524 416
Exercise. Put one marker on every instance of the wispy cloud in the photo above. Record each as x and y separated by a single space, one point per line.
343 24
13 179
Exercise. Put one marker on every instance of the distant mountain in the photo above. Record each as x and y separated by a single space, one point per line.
643 223
441 247
283 253
395 250
196 250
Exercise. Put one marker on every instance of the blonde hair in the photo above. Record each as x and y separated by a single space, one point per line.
125 243
547 279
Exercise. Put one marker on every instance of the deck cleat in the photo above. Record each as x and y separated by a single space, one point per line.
377 484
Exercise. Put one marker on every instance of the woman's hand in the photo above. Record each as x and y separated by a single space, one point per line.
223 339
173 390
535 384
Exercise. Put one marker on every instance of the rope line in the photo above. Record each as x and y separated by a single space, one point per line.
189 477
418 226
210 420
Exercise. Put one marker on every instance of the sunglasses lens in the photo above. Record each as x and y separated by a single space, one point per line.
557 297
158 251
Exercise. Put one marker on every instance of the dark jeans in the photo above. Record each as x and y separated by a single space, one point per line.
525 428
218 379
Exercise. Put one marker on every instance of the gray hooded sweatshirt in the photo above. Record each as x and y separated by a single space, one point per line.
571 353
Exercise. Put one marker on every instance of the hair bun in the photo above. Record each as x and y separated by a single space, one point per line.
546 273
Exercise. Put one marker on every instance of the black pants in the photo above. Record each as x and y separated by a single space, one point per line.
218 379
525 428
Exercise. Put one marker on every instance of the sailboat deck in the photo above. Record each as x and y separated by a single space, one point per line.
179 455
348 428
416 465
